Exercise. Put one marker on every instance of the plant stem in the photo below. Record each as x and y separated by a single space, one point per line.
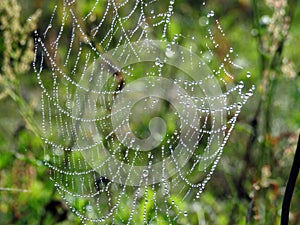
290 186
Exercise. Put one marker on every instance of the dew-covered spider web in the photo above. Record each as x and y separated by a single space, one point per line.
134 116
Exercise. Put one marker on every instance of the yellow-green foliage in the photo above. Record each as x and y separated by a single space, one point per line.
16 45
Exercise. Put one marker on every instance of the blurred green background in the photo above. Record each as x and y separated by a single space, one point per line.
249 183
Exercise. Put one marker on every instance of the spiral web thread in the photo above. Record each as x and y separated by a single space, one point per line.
131 130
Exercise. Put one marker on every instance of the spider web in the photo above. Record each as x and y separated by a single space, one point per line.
132 131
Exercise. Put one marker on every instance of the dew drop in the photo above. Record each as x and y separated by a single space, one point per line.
157 62
248 75
211 14
89 208
169 52
145 173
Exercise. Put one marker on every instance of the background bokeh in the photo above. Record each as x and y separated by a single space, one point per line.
249 183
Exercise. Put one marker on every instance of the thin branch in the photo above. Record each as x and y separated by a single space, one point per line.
290 186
